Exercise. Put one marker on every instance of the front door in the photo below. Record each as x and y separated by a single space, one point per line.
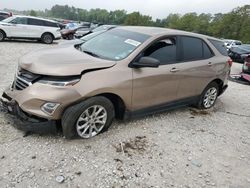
156 86
18 27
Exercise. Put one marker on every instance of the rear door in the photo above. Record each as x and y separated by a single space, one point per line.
195 68
156 86
36 27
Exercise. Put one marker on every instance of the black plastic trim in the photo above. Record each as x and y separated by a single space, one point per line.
162 107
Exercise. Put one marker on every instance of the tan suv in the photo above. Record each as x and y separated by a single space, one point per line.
125 72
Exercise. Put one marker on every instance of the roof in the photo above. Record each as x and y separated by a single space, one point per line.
155 31
23 16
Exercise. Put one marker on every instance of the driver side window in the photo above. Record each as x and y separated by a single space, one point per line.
19 21
163 50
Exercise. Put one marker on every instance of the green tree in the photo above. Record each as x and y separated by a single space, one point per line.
33 13
136 18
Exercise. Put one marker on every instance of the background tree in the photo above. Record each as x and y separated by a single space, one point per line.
33 13
232 25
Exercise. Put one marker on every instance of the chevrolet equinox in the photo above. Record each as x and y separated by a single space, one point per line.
123 73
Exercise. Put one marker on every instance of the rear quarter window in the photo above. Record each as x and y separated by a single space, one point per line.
220 46
50 24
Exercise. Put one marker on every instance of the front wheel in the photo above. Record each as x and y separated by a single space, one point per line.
88 118
2 36
209 96
47 38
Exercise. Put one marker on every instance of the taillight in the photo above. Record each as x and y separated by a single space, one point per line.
230 62
10 14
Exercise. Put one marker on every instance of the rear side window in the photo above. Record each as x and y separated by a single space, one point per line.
36 22
191 48
206 51
163 50
194 49
220 46
50 24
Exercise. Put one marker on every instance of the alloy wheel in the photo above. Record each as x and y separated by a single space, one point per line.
91 122
1 36
47 39
210 97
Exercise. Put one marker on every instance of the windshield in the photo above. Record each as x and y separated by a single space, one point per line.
115 44
7 20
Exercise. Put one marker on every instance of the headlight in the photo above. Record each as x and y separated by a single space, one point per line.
59 82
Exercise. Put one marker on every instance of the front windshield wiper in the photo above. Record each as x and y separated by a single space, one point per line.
90 53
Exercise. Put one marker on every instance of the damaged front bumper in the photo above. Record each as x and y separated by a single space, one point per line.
24 121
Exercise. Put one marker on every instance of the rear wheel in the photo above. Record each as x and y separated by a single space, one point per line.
88 118
209 96
2 35
47 38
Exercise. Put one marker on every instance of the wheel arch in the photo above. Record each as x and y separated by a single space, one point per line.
3 32
220 84
118 103
47 32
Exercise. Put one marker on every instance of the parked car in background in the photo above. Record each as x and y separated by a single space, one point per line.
246 65
236 52
4 15
28 27
85 38
122 73
82 31
82 39
231 43
100 29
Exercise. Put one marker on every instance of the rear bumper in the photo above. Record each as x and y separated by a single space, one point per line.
24 121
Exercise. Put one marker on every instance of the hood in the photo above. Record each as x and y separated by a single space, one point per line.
62 60
3 23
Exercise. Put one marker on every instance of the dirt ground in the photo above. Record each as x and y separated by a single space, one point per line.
181 148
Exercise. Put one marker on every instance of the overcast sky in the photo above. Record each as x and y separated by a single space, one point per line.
155 8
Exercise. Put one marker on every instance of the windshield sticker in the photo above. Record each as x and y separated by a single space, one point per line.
132 42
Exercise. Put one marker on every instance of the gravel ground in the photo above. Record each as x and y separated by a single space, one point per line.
181 148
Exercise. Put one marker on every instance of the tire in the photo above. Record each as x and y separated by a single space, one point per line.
75 117
209 96
2 36
70 37
47 38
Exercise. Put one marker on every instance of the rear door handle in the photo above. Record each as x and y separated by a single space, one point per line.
210 64
174 70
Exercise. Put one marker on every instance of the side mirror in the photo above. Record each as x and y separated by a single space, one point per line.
147 62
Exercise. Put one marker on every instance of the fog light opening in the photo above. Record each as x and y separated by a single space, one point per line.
49 107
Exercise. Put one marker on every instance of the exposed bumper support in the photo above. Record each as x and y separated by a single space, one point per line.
24 121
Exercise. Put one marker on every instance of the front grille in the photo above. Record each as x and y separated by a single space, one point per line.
24 79
20 83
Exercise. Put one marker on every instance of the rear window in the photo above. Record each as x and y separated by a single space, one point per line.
220 46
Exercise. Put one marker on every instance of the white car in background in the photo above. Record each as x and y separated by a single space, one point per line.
28 27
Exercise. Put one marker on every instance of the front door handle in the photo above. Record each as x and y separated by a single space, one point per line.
210 64
174 70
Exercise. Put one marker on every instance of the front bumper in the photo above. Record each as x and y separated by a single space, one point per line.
24 121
